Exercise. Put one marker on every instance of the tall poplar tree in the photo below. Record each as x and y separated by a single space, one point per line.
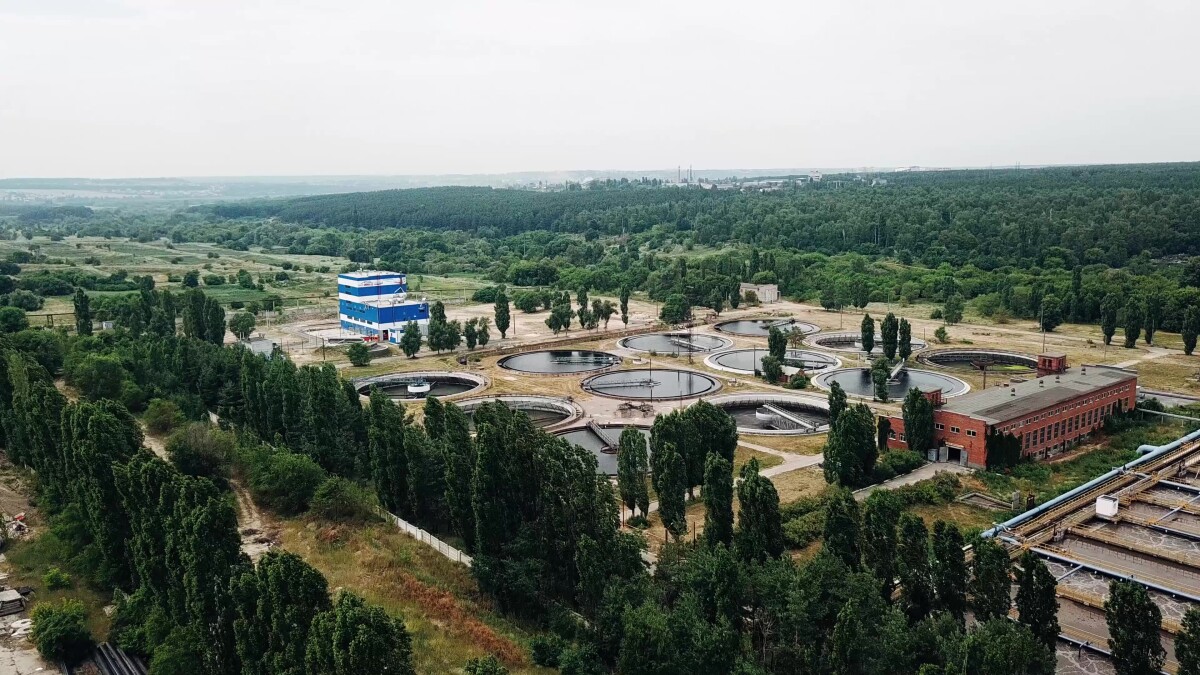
1037 605
991 586
760 527
718 501
633 468
1110 311
867 334
1191 328
1134 625
837 402
904 349
1133 322
950 573
890 328
503 312
917 412
912 561
670 484
83 313
841 534
880 517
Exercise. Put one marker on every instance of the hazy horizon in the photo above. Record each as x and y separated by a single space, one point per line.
157 88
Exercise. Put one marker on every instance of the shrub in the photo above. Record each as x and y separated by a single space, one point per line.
941 335
182 653
60 633
340 499
546 650
281 480
798 381
200 449
12 320
488 665
485 295
358 354
162 416
897 462
55 578
936 313
802 531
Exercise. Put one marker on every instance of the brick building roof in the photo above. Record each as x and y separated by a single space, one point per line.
1014 401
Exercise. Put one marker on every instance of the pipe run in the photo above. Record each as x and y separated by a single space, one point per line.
1147 452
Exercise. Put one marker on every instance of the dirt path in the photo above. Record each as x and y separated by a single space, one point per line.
257 535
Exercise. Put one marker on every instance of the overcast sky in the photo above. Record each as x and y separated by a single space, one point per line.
111 88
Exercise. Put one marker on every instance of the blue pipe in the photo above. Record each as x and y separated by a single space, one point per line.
1147 453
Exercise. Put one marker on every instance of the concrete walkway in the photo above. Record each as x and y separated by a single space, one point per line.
923 472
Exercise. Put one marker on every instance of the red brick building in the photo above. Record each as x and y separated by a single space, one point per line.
1048 414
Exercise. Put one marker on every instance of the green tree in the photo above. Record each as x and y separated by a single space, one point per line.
881 515
386 447
1133 322
83 313
941 335
760 527
359 354
503 313
991 586
837 402
12 320
60 631
275 604
1051 315
560 318
917 412
842 527
772 369
1191 328
675 309
850 450
625 293
879 376
890 328
905 341
470 335
776 343
718 501
671 487
867 334
354 637
459 457
1037 605
912 562
1001 646
952 311
1134 624
1187 643
1152 314
242 325
410 342
191 279
200 449
633 467
482 332
1110 310
949 570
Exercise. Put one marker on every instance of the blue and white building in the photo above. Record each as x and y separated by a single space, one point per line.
376 304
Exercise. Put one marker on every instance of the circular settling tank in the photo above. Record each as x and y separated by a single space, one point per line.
559 361
675 344
602 442
647 384
852 342
775 414
857 382
748 361
544 411
416 386
996 360
762 327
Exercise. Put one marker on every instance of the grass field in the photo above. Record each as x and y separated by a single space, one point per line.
449 619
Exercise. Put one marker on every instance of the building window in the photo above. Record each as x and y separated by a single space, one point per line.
939 426
892 435
901 438
954 430
971 432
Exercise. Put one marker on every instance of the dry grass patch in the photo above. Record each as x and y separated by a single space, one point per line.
793 485
801 444
965 516
449 619
744 455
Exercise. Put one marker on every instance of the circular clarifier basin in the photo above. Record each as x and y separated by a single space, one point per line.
749 361
675 344
996 360
858 382
762 327
603 444
418 385
775 414
545 412
852 342
560 361
645 384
